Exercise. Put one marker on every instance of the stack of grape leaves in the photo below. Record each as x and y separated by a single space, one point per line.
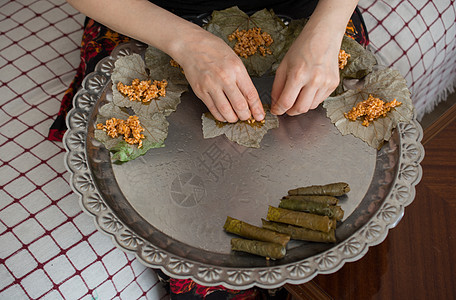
386 84
383 83
152 115
155 132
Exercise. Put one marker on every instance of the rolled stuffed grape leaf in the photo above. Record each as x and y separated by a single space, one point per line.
225 22
155 132
241 132
132 67
386 84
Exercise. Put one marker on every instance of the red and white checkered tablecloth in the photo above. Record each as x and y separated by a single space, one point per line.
49 248
418 38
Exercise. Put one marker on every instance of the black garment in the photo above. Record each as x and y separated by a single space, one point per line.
292 8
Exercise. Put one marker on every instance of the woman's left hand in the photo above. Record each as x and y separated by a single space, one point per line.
309 72
307 75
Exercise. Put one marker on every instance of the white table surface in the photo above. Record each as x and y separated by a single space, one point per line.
49 248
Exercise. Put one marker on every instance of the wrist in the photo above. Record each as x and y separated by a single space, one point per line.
330 18
178 43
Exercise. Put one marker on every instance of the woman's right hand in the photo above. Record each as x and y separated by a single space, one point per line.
218 77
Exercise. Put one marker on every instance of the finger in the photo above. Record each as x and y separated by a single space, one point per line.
320 96
250 94
238 103
288 97
207 100
277 86
303 101
327 88
223 106
217 115
214 111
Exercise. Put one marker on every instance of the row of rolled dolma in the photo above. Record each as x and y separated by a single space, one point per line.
308 213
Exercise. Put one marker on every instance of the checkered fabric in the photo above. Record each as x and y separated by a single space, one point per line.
418 38
48 247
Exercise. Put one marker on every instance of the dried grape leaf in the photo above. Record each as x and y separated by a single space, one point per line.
360 63
127 68
164 105
361 60
155 133
133 66
249 135
386 84
225 22
158 62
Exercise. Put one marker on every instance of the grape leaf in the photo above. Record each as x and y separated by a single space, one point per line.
361 60
133 66
360 63
155 133
129 67
225 22
386 84
158 62
240 132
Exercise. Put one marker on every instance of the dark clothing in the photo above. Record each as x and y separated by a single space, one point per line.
294 9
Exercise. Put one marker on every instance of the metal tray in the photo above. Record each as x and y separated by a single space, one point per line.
169 206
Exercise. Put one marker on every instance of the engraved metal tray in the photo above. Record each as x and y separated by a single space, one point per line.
168 207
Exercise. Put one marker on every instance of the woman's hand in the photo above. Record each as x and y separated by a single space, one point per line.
219 78
214 71
309 72
306 76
